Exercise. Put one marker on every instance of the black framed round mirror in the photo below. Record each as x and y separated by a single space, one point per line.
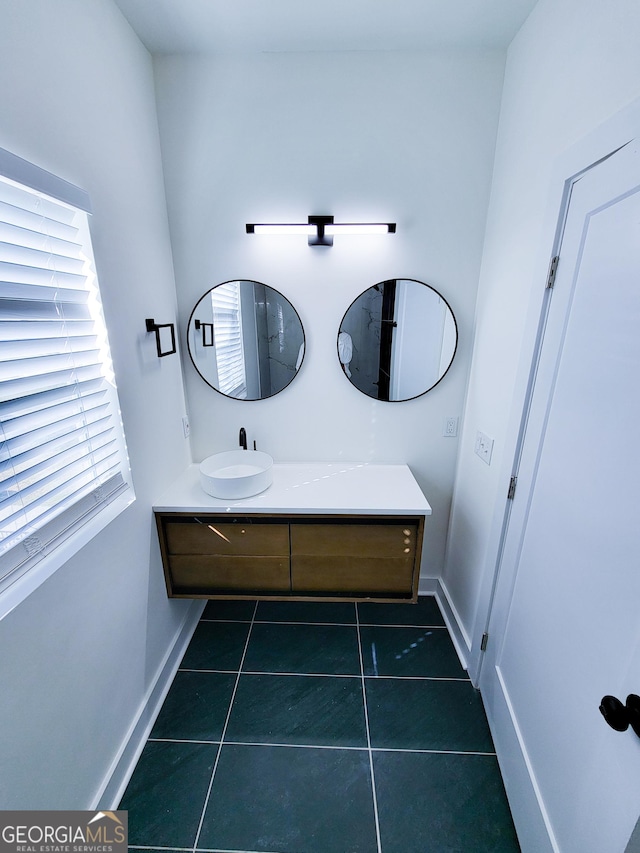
397 340
245 339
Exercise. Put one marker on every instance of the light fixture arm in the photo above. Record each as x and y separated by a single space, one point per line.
320 238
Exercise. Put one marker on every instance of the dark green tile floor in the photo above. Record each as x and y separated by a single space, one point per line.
299 727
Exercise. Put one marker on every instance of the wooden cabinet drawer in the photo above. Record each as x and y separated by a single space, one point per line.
397 541
243 538
201 574
363 576
370 558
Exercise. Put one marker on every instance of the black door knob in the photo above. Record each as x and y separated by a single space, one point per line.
633 709
615 713
620 716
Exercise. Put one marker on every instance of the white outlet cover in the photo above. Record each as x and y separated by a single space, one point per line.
450 427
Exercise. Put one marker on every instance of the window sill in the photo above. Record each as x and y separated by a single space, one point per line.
36 572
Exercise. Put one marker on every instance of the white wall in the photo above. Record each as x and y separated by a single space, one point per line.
573 64
400 137
78 656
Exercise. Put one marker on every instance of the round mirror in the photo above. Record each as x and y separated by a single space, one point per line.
245 340
397 340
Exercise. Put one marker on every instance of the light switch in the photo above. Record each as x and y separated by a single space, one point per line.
484 447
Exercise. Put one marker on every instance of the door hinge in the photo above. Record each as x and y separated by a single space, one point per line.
512 488
484 641
553 266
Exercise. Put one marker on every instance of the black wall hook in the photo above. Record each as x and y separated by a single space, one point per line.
620 716
152 326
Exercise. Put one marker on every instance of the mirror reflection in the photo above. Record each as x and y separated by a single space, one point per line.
397 340
245 339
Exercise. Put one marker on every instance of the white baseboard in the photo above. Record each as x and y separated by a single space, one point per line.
121 770
533 826
459 636
529 815
427 586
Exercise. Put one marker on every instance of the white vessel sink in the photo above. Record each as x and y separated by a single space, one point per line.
236 474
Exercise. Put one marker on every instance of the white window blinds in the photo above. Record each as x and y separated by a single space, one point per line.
227 321
62 456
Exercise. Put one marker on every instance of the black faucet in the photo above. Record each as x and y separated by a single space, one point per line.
243 438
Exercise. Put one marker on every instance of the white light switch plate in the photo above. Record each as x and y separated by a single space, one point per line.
484 447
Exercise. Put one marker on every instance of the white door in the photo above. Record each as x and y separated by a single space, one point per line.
565 625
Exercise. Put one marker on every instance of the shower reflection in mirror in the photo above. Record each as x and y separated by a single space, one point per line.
245 340
397 340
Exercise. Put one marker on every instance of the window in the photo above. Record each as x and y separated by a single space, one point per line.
63 457
227 321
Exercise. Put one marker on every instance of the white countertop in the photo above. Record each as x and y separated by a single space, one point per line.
310 488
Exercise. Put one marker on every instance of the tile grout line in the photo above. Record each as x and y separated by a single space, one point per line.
344 624
224 729
366 722
200 849
288 674
276 673
280 745
422 750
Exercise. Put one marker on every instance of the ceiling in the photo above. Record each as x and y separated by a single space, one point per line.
225 26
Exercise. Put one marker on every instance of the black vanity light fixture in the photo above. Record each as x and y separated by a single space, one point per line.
165 341
321 229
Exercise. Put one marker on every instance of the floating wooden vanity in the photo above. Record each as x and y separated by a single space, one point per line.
320 532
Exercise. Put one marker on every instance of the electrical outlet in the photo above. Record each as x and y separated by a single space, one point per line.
186 428
484 447
450 427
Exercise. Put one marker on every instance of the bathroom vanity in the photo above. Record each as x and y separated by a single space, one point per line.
319 532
